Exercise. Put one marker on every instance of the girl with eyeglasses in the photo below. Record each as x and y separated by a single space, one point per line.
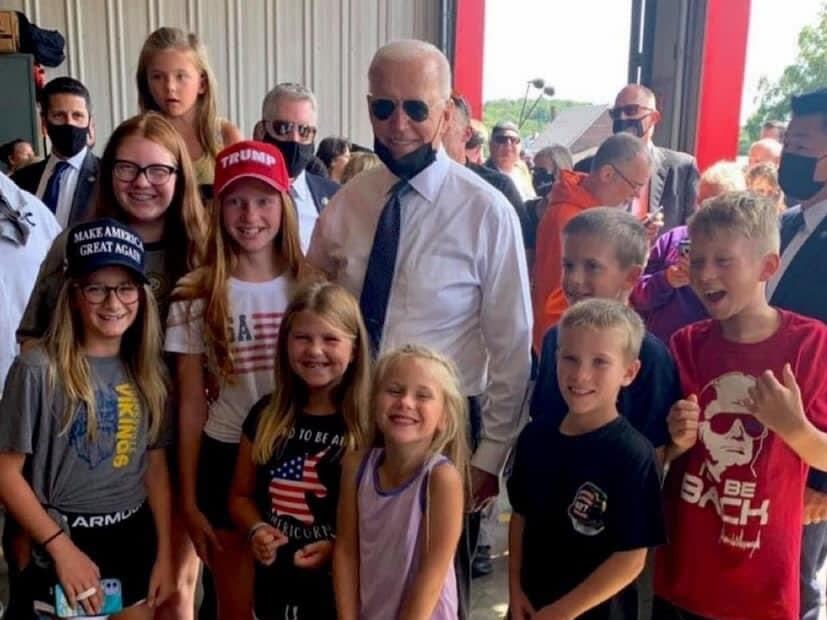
174 78
223 327
146 182
83 468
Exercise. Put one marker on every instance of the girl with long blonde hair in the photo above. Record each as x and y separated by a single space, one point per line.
286 482
82 435
223 326
174 78
402 500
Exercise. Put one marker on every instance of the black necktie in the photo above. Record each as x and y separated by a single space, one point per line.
52 193
790 228
376 289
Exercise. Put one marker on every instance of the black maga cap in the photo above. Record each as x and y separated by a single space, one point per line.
103 243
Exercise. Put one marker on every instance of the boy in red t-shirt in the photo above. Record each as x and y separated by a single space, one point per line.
746 432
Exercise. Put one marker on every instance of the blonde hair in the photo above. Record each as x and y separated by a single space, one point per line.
186 226
209 282
167 38
333 304
140 352
724 176
452 441
359 162
617 229
747 214
603 314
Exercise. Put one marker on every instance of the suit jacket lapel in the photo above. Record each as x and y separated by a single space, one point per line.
659 172
87 177
805 258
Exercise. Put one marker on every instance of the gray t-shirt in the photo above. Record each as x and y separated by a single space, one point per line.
66 470
42 302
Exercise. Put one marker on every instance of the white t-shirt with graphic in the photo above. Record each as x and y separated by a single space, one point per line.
256 309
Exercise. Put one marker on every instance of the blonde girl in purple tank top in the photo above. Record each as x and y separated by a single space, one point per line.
402 500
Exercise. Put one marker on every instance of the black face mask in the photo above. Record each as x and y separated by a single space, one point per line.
633 126
408 166
67 139
795 175
296 155
542 180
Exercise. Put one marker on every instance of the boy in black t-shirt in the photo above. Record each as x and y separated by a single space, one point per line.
585 491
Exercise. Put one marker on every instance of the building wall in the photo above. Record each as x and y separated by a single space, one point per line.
253 44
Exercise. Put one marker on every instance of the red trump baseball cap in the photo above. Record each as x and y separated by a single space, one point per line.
250 159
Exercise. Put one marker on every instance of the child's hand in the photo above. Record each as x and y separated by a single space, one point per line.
78 575
815 506
677 275
683 424
519 608
314 555
161 583
265 541
778 406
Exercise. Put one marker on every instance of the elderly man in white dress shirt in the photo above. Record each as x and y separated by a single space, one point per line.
459 280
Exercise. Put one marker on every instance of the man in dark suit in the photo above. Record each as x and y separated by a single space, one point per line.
456 136
65 181
288 122
674 181
799 285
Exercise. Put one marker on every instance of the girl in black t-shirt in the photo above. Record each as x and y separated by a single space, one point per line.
286 482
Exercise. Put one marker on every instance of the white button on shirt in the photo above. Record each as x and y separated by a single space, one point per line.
305 209
67 184
813 215
460 284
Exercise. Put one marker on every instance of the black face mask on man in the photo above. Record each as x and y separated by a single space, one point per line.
67 140
633 126
296 155
407 166
795 175
542 180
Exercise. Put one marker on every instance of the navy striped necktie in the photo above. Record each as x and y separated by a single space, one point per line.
52 193
376 289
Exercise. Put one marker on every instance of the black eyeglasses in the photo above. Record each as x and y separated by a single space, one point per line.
415 109
633 184
284 129
97 293
156 174
632 110
502 138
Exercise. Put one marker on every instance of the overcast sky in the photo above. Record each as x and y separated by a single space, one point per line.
586 58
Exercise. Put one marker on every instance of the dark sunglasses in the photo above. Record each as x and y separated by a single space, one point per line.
283 129
416 110
502 138
629 111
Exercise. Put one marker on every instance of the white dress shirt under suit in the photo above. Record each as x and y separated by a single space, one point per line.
460 283
67 184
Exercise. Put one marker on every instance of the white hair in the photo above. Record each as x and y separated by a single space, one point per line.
291 92
407 50
726 175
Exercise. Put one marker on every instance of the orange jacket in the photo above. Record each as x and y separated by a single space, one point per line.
568 198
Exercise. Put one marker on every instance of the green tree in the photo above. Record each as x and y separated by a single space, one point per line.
807 73
509 110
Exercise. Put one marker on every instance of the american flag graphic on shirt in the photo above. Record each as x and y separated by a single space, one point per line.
255 335
291 483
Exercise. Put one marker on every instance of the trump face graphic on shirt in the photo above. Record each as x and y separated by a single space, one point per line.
729 432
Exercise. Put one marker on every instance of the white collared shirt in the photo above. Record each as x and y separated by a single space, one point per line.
813 215
20 264
67 184
460 283
305 209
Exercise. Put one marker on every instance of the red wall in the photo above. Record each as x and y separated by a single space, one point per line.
468 52
722 80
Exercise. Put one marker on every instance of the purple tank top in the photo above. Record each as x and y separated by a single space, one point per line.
391 531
